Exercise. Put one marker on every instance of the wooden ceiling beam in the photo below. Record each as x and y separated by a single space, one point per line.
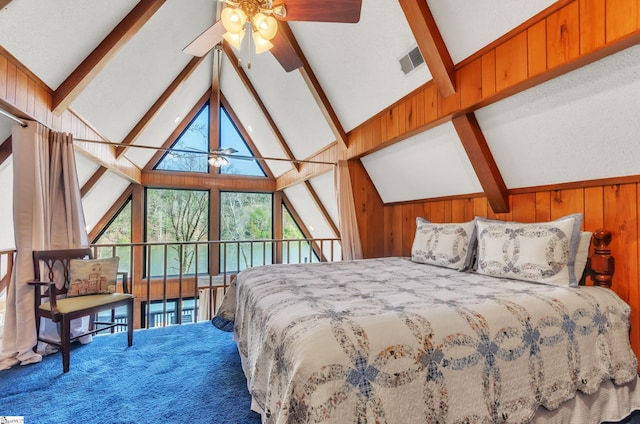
322 209
254 94
482 161
315 88
159 104
6 148
4 3
431 44
91 182
80 78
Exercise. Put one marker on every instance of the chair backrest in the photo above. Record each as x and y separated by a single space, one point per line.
55 263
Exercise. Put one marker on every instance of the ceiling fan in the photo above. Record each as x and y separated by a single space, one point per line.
259 18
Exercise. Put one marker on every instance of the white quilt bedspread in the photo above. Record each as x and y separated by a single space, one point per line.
392 341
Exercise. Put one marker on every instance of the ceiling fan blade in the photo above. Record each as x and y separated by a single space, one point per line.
206 41
284 52
228 151
322 11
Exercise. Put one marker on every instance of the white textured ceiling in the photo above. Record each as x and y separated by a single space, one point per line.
578 117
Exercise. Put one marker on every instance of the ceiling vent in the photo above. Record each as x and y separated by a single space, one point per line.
411 60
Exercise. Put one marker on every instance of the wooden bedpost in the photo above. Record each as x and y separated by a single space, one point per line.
601 262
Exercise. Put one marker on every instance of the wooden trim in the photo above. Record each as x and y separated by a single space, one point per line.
6 148
309 170
20 67
482 161
92 181
315 87
111 213
82 76
190 180
4 3
254 94
214 106
159 104
431 44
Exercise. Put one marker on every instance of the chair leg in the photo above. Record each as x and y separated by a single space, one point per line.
130 322
65 342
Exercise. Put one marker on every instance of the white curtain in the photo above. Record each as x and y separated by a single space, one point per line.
47 214
349 234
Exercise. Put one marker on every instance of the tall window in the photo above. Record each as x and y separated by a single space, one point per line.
231 137
243 217
195 137
174 216
118 231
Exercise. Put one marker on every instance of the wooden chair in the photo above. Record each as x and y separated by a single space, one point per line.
63 311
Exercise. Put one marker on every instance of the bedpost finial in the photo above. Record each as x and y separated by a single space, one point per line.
602 262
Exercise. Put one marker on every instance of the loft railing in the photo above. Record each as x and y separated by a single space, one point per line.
179 282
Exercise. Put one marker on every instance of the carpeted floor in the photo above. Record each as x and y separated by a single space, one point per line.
182 374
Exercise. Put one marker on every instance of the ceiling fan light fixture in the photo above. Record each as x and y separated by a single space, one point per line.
233 19
279 10
266 26
262 45
218 161
234 39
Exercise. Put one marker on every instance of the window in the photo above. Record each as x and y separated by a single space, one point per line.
231 137
177 216
118 231
195 137
297 251
243 217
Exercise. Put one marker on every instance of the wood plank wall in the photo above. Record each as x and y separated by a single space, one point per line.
567 37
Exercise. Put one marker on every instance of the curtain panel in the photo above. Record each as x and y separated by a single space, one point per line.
349 234
47 214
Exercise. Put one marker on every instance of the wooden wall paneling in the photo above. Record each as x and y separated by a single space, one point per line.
401 117
12 81
393 124
621 18
503 216
426 210
438 211
537 49
22 82
458 210
480 207
489 74
410 112
511 62
395 229
420 107
523 207
621 217
563 35
593 208
592 25
430 103
543 206
3 77
408 228
566 202
451 103
376 134
470 83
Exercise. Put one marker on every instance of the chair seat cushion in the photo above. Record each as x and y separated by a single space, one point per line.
71 304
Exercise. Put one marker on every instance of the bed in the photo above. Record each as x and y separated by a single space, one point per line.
484 323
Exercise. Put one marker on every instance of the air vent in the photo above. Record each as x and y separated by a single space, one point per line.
411 60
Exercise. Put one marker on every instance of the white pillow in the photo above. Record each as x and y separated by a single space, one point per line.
449 245
542 252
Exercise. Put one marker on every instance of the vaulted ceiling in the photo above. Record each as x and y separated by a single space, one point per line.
119 66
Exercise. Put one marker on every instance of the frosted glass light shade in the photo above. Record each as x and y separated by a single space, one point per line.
267 26
233 19
262 45
234 39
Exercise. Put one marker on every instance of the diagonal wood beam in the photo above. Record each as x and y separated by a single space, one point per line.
80 78
159 104
315 87
254 94
322 209
303 227
482 161
111 213
6 149
431 44
86 188
4 3
214 104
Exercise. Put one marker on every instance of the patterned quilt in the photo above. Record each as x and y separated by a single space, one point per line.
393 341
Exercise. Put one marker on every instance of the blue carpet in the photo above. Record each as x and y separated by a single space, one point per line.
182 374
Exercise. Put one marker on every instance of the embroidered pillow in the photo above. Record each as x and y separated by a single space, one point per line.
542 252
447 245
582 253
92 276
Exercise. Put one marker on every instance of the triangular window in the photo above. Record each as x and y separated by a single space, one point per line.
231 137
295 250
194 138
115 233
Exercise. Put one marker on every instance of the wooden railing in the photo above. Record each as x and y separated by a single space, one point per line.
185 281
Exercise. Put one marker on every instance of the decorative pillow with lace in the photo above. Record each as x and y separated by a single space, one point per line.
448 245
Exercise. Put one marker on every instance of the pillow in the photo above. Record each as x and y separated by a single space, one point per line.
582 254
542 252
92 276
447 245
